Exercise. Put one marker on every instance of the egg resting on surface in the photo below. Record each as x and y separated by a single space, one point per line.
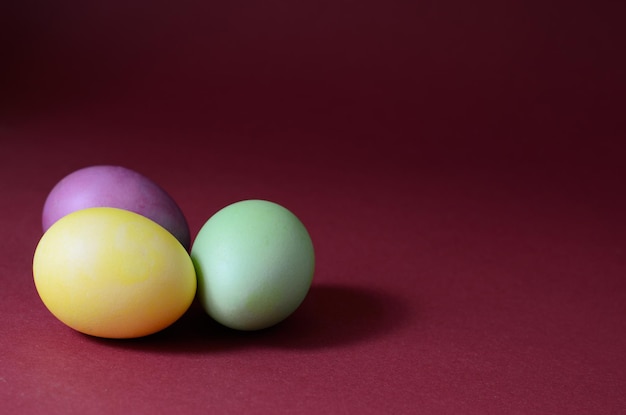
117 187
112 273
254 261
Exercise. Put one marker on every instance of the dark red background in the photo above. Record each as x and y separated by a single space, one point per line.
459 165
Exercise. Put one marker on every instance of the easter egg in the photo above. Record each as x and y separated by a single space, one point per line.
112 273
117 187
254 262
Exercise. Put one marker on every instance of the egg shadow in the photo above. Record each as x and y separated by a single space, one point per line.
330 316
334 316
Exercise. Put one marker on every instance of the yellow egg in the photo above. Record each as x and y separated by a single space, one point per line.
113 273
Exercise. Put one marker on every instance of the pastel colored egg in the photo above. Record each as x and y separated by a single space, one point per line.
117 187
112 273
254 261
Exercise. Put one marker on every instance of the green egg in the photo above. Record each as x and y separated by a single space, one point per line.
254 261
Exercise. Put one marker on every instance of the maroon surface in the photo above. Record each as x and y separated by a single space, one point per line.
459 166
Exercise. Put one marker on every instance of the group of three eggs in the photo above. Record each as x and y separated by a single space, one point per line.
116 258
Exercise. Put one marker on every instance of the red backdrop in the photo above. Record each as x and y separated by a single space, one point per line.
459 165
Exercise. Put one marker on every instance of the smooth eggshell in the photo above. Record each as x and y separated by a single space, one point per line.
113 273
254 261
117 187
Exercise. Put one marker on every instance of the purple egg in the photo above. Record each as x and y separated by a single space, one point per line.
117 187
